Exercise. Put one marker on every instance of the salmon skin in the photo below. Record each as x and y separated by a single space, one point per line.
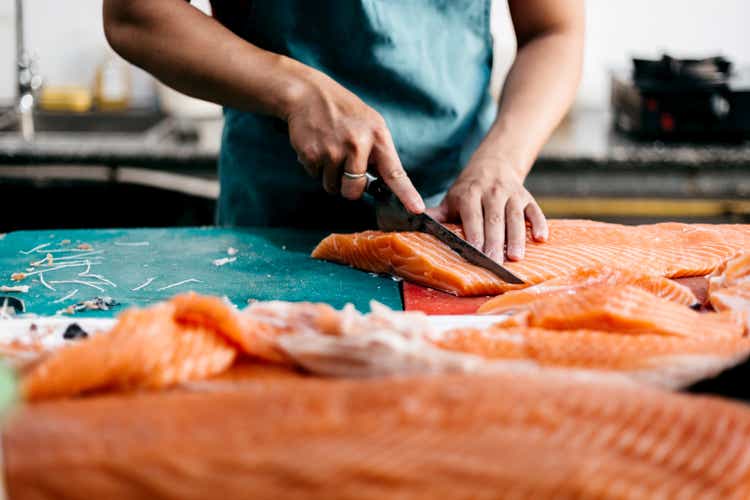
668 250
518 300
448 436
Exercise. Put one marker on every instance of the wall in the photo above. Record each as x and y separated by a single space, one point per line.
618 29
68 37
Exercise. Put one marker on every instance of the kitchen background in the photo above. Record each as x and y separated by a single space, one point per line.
586 169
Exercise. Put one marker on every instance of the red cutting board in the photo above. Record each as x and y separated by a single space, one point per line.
430 301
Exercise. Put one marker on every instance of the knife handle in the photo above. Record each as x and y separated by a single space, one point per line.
377 188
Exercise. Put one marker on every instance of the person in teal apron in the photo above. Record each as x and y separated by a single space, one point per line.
318 92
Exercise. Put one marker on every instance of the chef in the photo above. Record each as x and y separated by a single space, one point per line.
329 89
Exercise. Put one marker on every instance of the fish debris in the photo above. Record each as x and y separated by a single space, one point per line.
224 261
95 304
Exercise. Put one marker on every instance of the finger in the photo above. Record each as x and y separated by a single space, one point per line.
470 210
515 229
539 229
312 169
332 178
356 163
386 161
494 227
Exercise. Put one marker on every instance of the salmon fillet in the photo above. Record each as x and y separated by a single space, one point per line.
625 309
417 257
518 300
669 250
669 362
485 436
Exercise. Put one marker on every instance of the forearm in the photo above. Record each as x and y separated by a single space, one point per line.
538 91
196 55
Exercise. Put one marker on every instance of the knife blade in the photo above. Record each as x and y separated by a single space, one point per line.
391 215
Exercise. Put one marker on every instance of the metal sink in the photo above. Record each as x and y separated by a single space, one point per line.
126 122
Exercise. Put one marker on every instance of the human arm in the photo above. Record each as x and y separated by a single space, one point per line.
329 127
489 197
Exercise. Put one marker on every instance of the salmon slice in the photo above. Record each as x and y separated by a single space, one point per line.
625 309
670 362
669 250
192 337
417 257
255 332
480 436
517 300
146 349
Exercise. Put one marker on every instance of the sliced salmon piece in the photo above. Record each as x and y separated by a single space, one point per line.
624 309
480 436
417 257
254 334
669 362
669 250
192 337
147 348
517 300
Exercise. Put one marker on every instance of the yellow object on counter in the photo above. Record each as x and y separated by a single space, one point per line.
112 84
66 98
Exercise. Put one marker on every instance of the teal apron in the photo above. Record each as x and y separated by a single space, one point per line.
424 65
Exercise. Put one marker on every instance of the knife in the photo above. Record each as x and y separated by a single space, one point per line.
391 215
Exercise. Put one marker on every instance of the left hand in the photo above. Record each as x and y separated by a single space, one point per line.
493 206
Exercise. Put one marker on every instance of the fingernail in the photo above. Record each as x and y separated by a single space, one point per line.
418 206
515 253
540 235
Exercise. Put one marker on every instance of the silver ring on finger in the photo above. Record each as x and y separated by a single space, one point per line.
350 175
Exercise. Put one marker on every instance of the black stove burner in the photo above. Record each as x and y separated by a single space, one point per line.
688 72
682 99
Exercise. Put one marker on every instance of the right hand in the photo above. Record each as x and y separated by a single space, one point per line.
333 131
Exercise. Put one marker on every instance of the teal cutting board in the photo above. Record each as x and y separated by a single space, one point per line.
272 264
